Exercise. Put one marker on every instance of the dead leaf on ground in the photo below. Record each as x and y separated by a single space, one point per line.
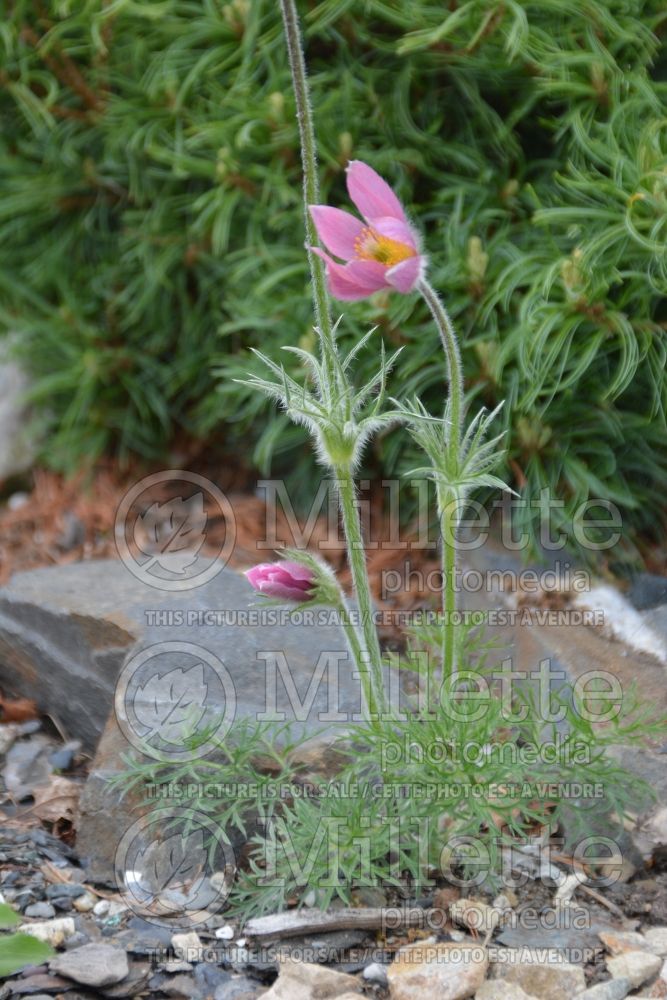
57 802
17 709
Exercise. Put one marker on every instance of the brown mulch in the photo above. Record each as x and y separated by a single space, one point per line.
58 520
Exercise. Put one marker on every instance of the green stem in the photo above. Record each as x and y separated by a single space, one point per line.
449 524
311 194
452 354
447 505
358 657
371 676
357 560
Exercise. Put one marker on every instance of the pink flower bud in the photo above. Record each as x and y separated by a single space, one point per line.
289 581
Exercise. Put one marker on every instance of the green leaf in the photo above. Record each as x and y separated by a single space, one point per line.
8 917
19 950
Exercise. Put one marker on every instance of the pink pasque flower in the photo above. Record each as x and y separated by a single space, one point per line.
289 581
380 252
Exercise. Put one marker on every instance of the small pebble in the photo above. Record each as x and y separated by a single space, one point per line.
25 897
656 938
65 889
92 965
225 933
17 500
612 989
62 759
375 973
84 903
237 989
76 940
101 908
42 910
54 932
637 966
63 903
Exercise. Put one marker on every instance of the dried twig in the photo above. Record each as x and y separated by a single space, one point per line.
309 921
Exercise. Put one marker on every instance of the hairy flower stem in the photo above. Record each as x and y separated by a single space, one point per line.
359 660
311 187
448 507
357 559
373 681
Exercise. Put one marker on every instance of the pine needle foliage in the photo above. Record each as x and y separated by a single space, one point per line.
151 225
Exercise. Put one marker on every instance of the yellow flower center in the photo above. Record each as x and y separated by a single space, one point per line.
371 245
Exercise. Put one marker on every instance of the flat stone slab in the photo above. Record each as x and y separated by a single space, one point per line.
165 674
66 632
102 650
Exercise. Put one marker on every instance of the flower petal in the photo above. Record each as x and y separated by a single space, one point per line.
404 276
256 574
338 230
271 588
395 229
372 196
297 570
356 280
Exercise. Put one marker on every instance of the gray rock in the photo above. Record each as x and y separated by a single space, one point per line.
65 633
209 977
63 637
24 897
65 624
613 989
27 766
375 973
548 981
40 996
42 910
303 980
73 533
132 985
62 758
69 890
637 966
656 939
17 444
92 965
77 939
54 931
565 938
656 619
498 989
63 903
37 983
448 970
647 591
239 988
143 937
181 986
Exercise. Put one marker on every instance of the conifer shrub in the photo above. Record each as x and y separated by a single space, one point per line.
150 223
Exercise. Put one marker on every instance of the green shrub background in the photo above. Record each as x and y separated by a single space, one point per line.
150 223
